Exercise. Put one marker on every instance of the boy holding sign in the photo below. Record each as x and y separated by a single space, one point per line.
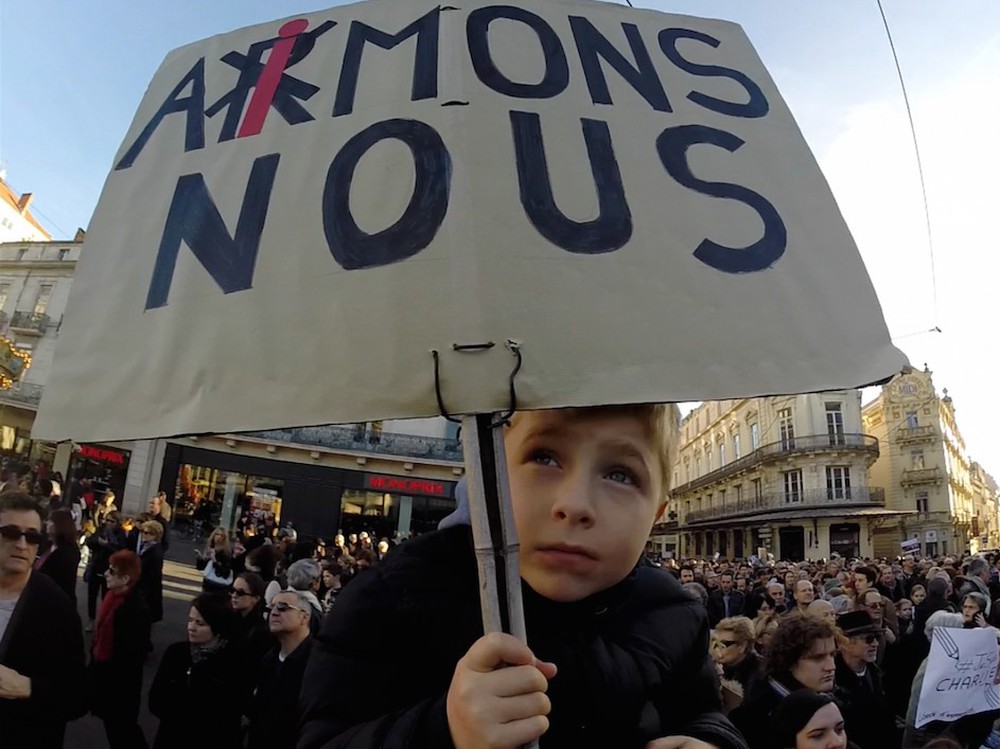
617 653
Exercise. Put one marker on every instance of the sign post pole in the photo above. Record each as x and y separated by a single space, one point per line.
493 532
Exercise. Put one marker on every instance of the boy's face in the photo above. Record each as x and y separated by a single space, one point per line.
585 489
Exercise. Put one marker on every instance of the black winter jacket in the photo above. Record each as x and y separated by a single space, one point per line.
44 641
275 700
633 660
116 685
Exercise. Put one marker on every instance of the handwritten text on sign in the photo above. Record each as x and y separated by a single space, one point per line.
194 218
960 675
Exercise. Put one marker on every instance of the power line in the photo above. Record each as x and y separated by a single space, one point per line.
36 209
920 168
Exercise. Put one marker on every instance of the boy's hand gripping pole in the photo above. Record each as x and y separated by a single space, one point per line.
493 531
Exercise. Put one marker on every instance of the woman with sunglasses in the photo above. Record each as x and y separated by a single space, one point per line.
118 652
201 684
733 649
251 635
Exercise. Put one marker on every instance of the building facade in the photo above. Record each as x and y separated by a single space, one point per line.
926 471
784 475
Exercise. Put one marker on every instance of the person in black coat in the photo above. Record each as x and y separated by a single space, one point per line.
118 652
429 585
867 714
103 542
251 635
801 656
273 709
62 560
41 644
151 578
200 691
725 601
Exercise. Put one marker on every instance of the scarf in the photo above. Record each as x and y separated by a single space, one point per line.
204 650
104 629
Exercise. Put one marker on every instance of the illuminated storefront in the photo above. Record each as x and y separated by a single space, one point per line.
317 500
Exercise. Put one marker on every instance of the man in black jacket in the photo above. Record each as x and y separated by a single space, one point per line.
616 652
725 601
41 639
867 716
273 708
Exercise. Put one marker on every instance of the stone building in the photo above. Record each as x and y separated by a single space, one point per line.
926 471
783 474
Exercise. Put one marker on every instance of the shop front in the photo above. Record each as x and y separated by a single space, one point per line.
231 489
394 506
105 467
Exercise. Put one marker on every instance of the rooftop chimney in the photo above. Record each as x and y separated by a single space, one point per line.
23 202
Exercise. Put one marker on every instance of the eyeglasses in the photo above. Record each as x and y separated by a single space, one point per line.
240 593
281 607
727 643
13 533
868 638
874 606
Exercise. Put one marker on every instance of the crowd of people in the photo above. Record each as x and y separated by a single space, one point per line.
855 630
290 641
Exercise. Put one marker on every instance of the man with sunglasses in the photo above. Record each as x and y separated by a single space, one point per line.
41 638
858 683
274 708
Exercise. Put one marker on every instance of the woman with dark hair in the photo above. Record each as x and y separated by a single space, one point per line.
217 576
808 720
251 634
60 562
758 604
201 681
118 652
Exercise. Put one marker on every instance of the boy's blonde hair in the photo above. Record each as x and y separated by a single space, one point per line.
662 422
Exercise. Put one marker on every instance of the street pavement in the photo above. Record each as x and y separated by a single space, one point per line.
181 583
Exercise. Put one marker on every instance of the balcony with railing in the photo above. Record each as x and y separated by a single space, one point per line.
914 476
349 438
29 322
850 498
810 443
906 435
26 393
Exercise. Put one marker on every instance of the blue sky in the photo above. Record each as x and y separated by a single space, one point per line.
72 74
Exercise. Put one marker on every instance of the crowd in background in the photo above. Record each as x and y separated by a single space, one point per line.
857 631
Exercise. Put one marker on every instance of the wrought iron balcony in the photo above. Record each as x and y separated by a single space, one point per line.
915 434
810 443
920 476
29 322
24 393
349 438
798 502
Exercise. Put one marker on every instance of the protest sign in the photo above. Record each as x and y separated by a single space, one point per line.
961 669
303 211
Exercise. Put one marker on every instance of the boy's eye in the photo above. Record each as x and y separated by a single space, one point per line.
622 476
543 457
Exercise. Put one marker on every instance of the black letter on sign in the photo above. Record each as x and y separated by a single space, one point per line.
591 43
756 107
613 226
424 66
672 146
194 105
556 68
194 219
353 248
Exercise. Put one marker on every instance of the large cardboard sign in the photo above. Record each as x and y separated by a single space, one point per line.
960 676
303 211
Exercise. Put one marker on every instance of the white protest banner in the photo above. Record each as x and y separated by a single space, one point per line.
302 211
960 673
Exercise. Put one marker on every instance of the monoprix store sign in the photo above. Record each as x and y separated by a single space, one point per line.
621 194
